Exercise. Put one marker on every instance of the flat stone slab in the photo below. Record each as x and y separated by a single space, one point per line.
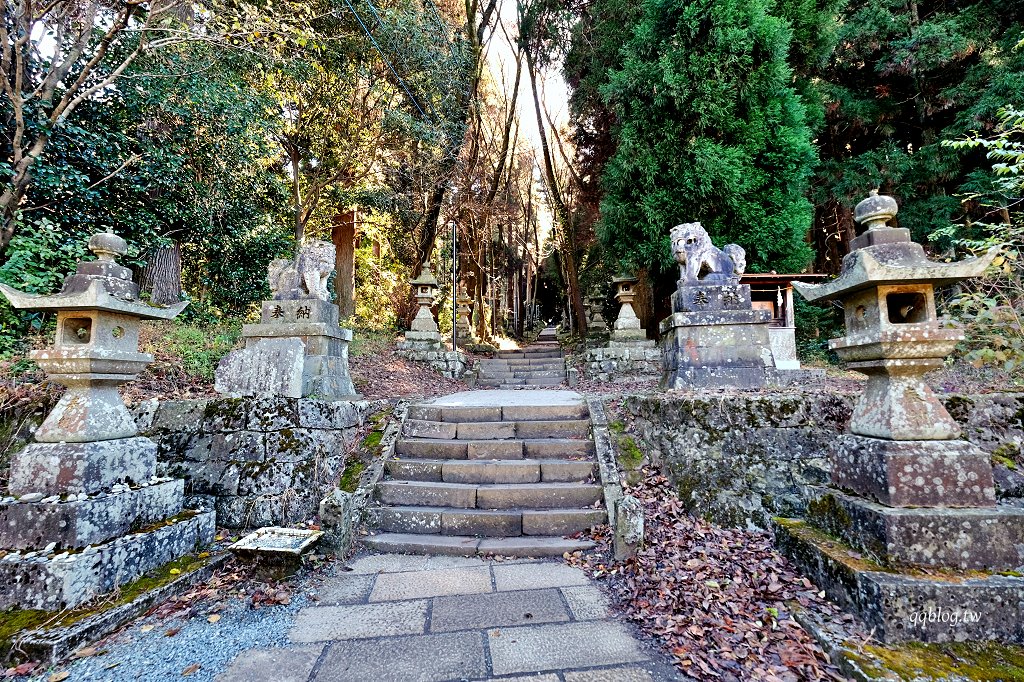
536 576
427 658
570 645
345 589
273 665
501 609
359 621
443 581
507 398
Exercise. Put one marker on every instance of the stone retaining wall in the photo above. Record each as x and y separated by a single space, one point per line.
450 363
258 462
607 364
739 460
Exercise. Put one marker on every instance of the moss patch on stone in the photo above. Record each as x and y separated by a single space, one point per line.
984 662
15 621
371 443
350 479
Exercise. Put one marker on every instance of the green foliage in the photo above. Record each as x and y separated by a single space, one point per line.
991 308
200 348
815 325
710 129
897 84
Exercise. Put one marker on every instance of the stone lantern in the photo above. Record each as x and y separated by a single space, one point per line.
905 493
89 482
596 325
425 291
626 330
893 334
464 325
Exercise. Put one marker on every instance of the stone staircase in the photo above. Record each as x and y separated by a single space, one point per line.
490 472
539 364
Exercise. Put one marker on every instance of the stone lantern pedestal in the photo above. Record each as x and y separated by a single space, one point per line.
85 511
714 338
906 495
629 352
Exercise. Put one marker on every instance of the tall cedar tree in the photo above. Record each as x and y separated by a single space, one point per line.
708 128
905 75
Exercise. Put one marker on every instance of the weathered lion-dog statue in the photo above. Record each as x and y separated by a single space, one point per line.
306 275
695 254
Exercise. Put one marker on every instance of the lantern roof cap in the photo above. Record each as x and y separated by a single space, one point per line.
426 277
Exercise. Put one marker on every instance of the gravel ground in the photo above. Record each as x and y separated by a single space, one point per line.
133 654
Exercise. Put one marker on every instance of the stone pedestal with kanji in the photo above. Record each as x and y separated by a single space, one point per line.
298 349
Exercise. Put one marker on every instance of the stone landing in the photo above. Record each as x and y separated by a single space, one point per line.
394 618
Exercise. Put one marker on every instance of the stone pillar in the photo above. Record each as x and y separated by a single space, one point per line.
714 338
626 330
298 349
77 497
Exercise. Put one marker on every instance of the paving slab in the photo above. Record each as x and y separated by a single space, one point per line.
345 589
428 658
568 645
434 583
273 665
631 674
537 576
388 563
587 602
501 609
359 621
526 678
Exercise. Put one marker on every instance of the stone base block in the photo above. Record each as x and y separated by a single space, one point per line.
780 377
59 468
707 296
264 510
714 377
979 538
904 606
714 352
921 473
64 581
73 525
452 364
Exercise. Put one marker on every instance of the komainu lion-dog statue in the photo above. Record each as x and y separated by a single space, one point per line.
305 276
695 254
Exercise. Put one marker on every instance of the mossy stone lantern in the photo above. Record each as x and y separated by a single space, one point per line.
893 334
96 346
627 328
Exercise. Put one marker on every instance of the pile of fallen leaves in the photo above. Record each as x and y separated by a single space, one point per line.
383 374
715 597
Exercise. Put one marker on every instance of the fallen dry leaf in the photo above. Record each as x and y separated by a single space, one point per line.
214 618
190 670
59 677
147 628
171 632
86 652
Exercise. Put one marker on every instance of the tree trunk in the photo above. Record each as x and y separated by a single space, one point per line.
161 277
343 234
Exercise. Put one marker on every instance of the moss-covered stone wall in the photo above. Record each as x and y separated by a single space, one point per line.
258 462
742 459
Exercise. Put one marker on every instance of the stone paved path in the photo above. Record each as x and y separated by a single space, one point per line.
400 618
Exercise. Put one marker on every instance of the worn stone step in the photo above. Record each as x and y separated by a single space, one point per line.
503 430
545 381
519 355
491 470
562 428
540 373
542 363
460 449
484 522
427 494
458 545
501 383
537 496
557 448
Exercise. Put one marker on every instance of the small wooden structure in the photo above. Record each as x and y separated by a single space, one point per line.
774 292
